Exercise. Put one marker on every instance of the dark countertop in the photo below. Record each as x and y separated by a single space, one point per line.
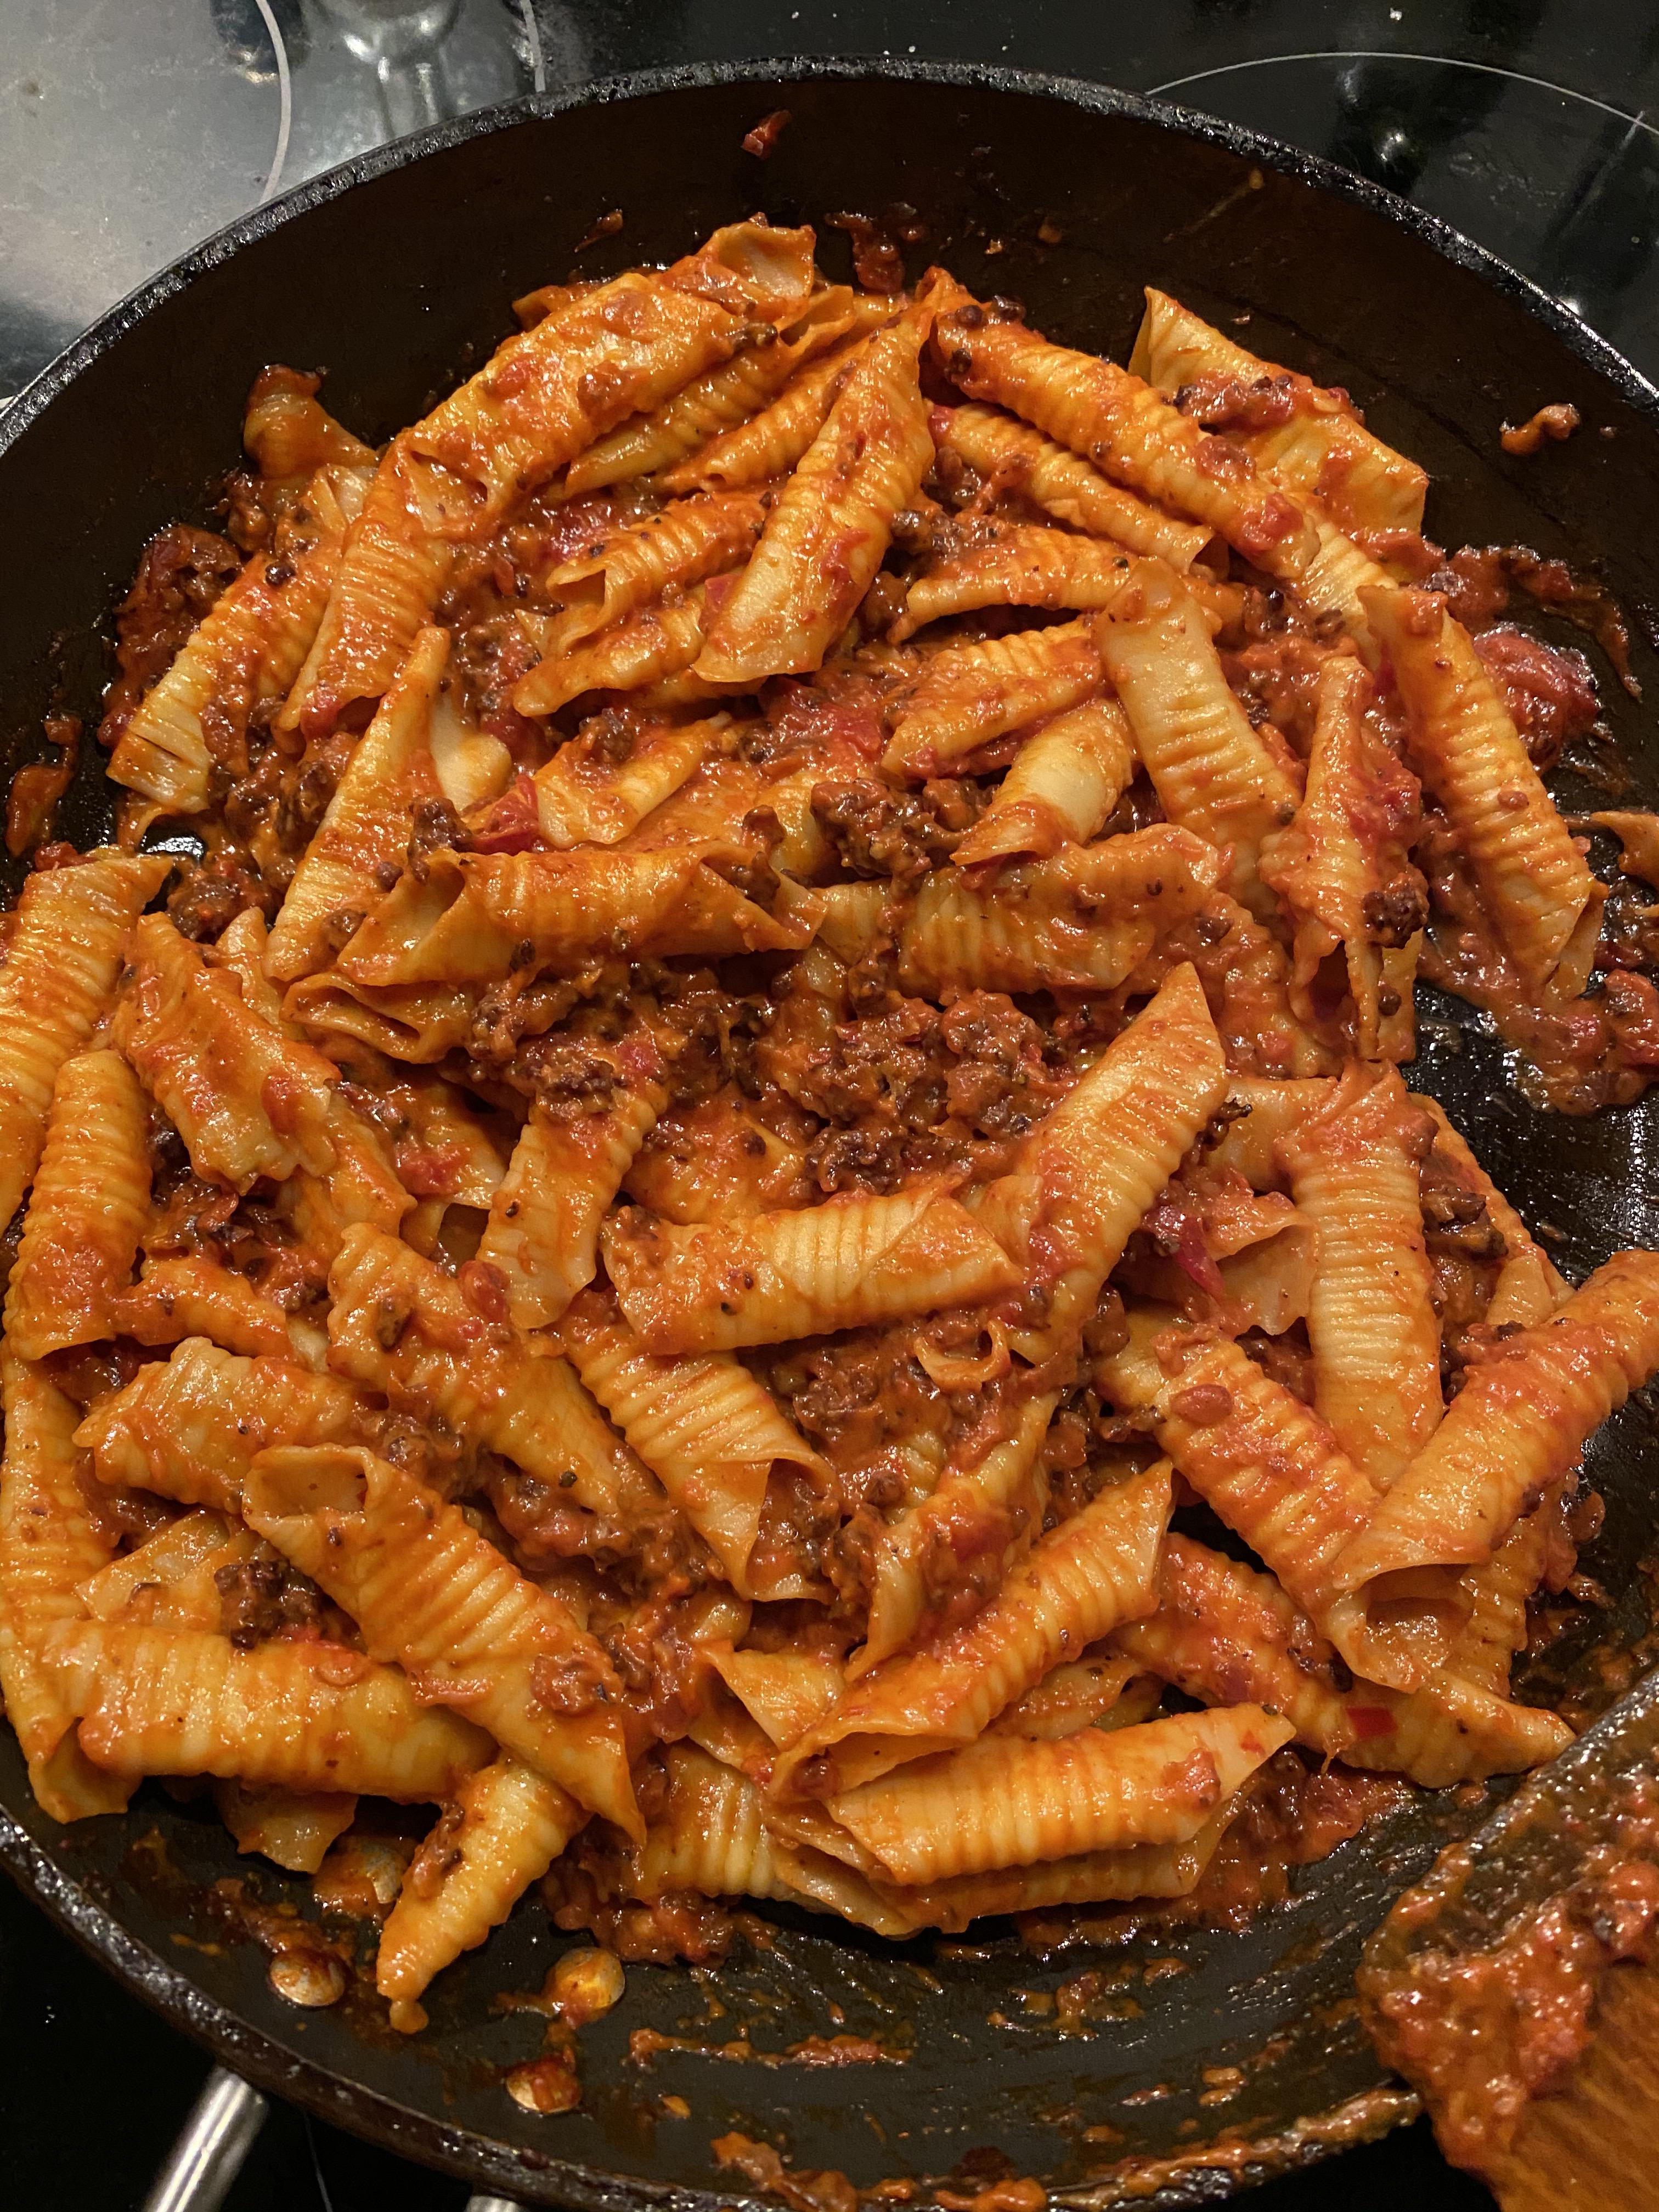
127 132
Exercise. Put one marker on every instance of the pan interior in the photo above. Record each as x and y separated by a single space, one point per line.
997 2054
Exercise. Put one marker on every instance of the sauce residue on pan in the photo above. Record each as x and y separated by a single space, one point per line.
1483 2029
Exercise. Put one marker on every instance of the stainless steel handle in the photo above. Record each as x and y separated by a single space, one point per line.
212 2145
491 2204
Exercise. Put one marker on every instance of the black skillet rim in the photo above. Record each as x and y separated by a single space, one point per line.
331 2096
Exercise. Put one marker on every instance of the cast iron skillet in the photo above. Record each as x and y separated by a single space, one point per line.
394 274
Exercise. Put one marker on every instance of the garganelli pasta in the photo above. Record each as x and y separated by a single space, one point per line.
717 1173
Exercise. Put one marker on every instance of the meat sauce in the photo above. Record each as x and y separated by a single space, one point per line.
1484 2028
878 1085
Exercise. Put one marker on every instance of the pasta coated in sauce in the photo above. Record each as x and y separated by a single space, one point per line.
785 1038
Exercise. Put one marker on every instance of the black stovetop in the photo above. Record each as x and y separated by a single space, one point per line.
128 132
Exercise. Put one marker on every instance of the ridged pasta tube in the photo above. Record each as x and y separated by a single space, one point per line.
1082 1180
1212 772
1086 919
1343 868
1321 450
543 1228
469 918
400 1325
842 1264
771 442
247 1100
1090 1878
829 525
1063 485
644 561
1268 1466
284 1715
1075 1586
427 1592
60 968
707 1428
1222 1633
195 1295
1371 1321
644 648
547 393
585 798
969 695
513 1824
1003 1802
1129 431
1545 904
189 1427
246 650
367 824
1065 781
1021 565
49 1545
86 1212
991 1508
722 398
1517 1426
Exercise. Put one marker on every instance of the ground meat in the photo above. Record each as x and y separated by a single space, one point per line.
876 831
1276 673
440 1853
87 1372
187 1215
486 661
435 826
569 1684
857 1393
1631 1005
1395 914
715 1034
544 1523
799 1514
182 574
1286 1359
208 897
1001 1083
574 1079
261 1597
878 259
258 1244
857 1159
1455 1219
1549 691
1238 403
679 1924
891 1066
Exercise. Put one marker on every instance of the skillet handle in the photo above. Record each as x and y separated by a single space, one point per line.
208 2154
491 2204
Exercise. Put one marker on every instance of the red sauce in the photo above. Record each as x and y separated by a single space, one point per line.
1483 2031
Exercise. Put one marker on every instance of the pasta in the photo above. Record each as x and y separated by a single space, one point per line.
787 1047
1516 1426
62 958
88 1209
1316 447
1546 906
1371 1316
1212 771
824 539
430 1592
